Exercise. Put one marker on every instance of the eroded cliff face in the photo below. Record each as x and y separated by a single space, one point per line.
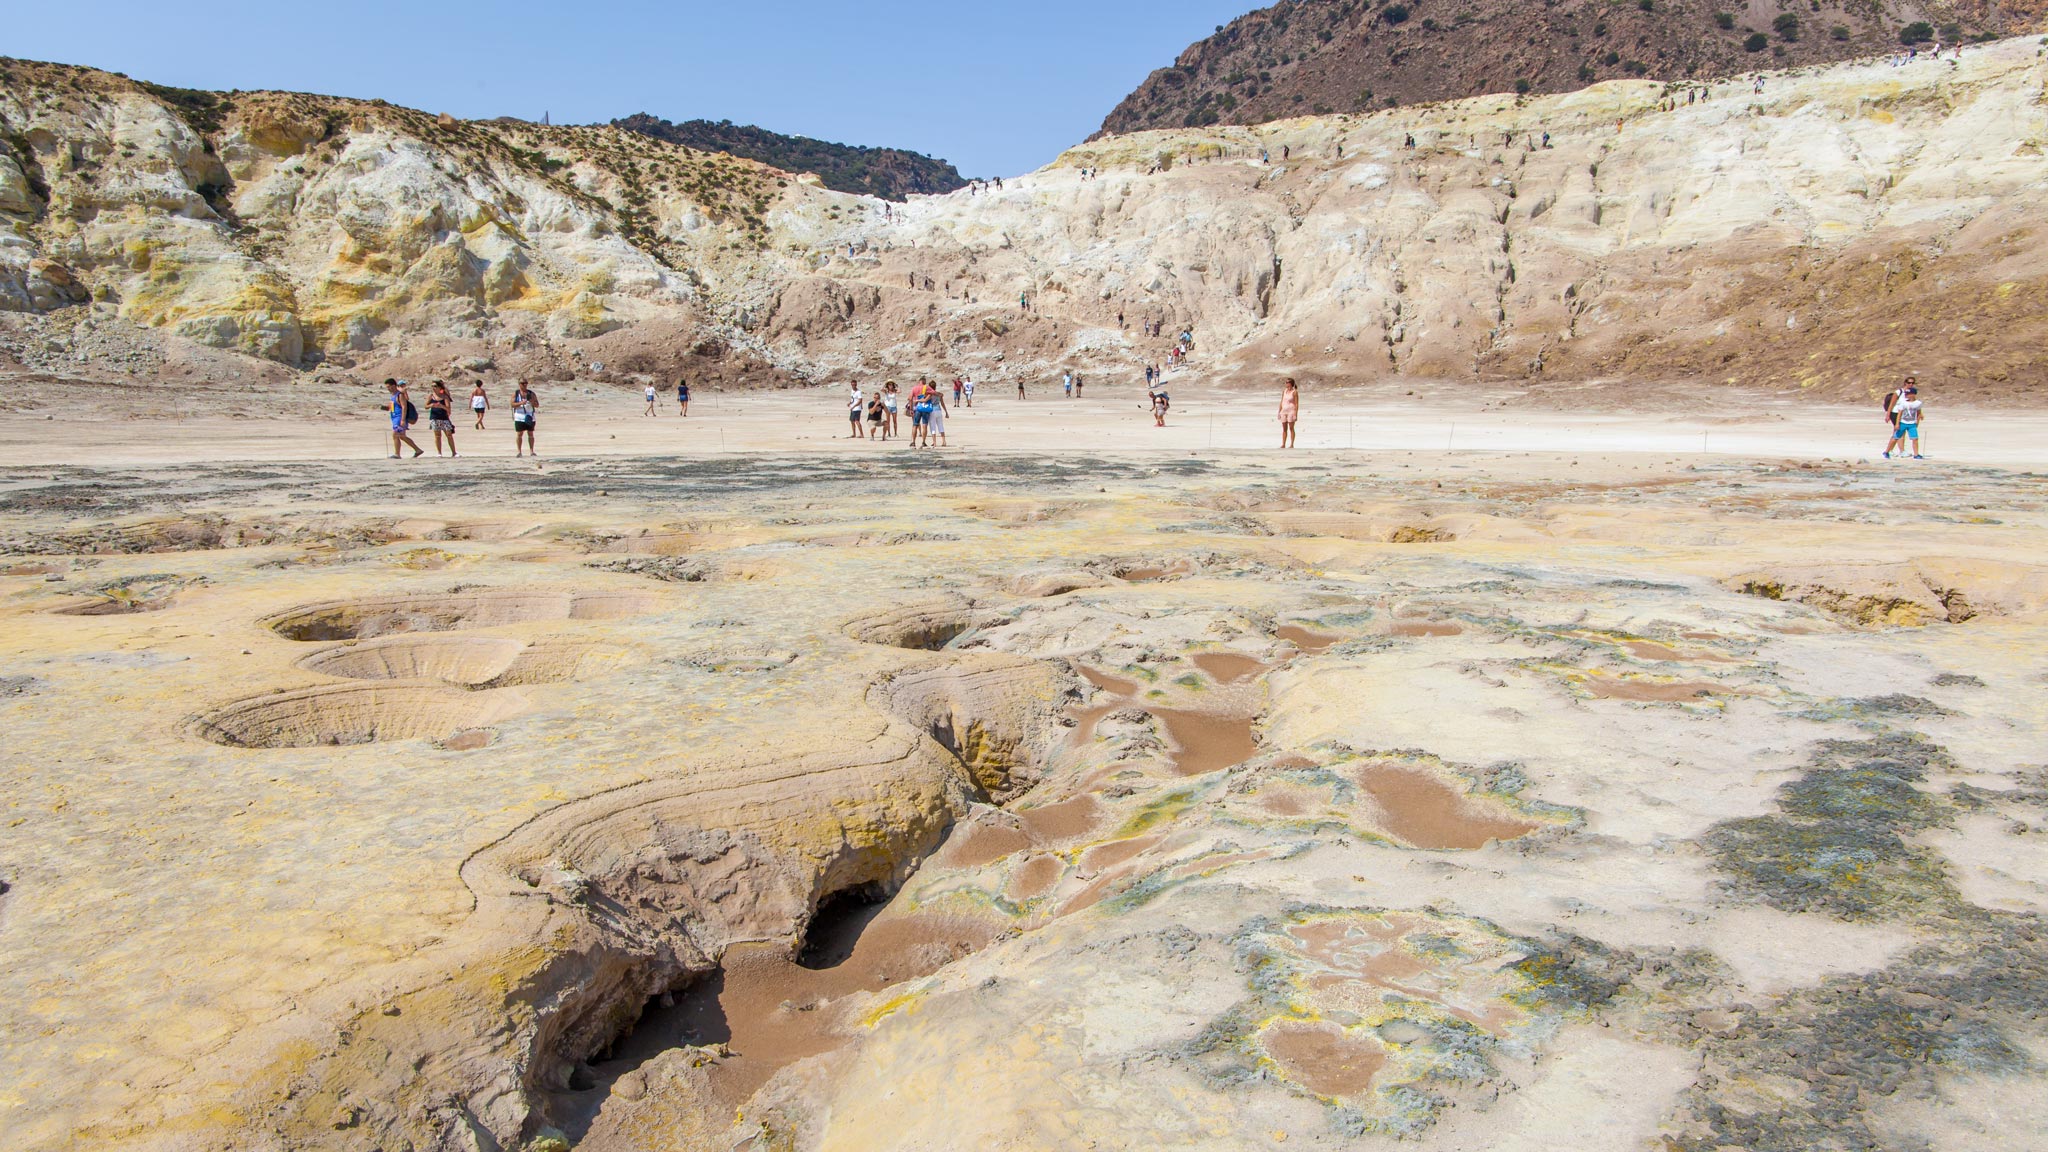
1843 224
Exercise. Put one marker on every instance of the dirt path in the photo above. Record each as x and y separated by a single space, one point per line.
605 421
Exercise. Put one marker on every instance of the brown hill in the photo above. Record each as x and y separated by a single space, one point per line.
890 173
1315 57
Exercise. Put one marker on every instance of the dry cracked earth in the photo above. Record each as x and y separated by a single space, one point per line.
1079 803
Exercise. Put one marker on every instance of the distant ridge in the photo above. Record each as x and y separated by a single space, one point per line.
890 173
1316 57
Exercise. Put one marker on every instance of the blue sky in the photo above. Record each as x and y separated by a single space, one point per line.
996 88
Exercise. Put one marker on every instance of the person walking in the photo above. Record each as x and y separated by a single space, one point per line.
479 403
967 390
935 424
959 386
682 397
1020 387
856 404
922 395
441 416
1160 403
651 396
1067 383
1908 414
403 414
1078 382
525 418
1290 408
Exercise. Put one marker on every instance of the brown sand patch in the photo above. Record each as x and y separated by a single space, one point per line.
1422 811
1065 820
1207 741
982 843
1227 667
1309 642
1425 628
1651 650
771 1010
1034 878
1116 685
1115 852
1650 691
469 740
1323 1058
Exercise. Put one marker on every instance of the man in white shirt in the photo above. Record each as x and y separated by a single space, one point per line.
967 390
856 403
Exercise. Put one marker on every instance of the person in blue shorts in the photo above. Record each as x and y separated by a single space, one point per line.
401 421
683 396
1907 412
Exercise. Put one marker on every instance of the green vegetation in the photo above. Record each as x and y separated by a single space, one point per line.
1787 25
1724 20
890 173
1757 42
1839 32
1918 32
201 111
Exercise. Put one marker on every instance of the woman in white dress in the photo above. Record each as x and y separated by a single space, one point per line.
938 423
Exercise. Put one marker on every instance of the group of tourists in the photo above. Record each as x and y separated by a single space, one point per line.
879 411
441 415
654 395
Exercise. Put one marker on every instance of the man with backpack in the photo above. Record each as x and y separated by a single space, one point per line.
403 417
1891 402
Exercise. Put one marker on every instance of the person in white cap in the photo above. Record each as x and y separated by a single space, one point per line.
1907 412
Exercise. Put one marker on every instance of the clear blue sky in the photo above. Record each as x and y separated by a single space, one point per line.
996 88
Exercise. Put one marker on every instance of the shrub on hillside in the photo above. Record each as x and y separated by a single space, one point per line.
1787 25
1839 32
1394 13
1757 42
1724 20
1918 32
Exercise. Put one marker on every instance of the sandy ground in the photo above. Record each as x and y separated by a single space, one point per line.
603 420
1066 789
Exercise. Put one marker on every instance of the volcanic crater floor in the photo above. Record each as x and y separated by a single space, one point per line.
1428 802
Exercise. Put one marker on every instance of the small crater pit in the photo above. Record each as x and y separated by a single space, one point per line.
352 714
466 661
389 616
932 626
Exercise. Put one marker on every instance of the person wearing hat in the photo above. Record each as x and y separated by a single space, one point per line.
1907 414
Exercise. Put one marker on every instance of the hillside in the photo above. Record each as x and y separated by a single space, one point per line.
1851 220
1316 57
890 173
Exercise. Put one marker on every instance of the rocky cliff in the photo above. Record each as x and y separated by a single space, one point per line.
1315 57
1844 224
